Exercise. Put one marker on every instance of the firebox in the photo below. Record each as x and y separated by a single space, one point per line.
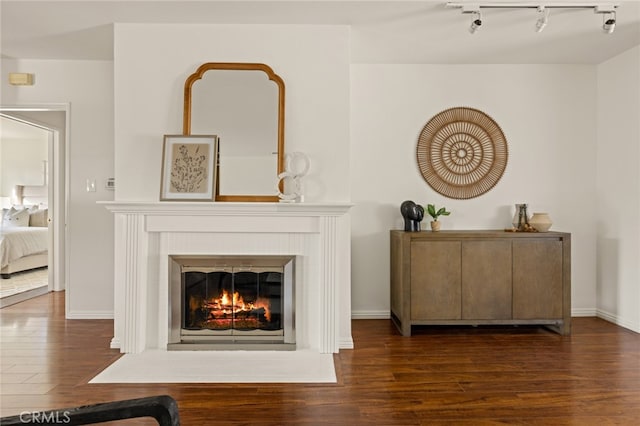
231 302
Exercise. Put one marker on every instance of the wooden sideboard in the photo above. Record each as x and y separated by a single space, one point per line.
480 277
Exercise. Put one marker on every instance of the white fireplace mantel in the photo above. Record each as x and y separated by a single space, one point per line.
147 233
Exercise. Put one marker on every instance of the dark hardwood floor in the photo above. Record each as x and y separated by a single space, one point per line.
440 375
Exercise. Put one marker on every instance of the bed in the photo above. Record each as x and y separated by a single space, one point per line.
24 233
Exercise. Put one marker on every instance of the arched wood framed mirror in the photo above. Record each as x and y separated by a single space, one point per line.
242 104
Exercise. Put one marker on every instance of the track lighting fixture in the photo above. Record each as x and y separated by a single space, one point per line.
476 22
543 19
608 11
609 22
476 17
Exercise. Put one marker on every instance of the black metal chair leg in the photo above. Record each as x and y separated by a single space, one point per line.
163 408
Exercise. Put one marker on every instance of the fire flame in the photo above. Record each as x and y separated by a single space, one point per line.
228 304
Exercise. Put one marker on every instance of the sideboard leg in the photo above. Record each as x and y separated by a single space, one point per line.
404 327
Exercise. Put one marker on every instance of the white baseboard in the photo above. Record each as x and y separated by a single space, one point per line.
370 315
90 315
115 343
622 322
584 312
345 343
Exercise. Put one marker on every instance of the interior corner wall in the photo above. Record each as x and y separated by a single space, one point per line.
548 115
152 62
87 86
618 189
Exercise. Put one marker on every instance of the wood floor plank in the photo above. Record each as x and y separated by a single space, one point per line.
6 378
26 388
440 376
26 368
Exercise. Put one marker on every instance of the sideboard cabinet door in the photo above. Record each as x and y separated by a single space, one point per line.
486 280
537 279
435 280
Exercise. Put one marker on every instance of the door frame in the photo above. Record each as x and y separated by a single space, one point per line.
58 179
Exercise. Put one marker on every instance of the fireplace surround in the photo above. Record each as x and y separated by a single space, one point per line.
147 234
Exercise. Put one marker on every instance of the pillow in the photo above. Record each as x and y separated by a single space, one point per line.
38 217
16 218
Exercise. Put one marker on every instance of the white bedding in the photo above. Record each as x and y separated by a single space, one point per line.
17 242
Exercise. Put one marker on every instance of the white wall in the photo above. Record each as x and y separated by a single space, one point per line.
21 162
618 189
88 87
153 61
359 125
548 115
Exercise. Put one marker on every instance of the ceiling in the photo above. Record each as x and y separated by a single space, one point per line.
390 31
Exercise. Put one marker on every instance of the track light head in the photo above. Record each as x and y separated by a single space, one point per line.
608 13
476 22
609 23
543 20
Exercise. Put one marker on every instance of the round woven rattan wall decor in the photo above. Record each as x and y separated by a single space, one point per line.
462 153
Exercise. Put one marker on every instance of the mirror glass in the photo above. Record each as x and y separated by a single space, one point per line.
242 104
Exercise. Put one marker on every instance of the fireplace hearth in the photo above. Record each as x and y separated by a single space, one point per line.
231 302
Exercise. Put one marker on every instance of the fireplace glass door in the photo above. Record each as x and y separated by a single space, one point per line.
231 302
237 300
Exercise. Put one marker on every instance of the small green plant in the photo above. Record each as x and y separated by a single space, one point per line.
431 209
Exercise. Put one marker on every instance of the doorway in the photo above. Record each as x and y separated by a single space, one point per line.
53 121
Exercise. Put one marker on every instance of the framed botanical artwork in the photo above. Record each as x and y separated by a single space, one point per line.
189 168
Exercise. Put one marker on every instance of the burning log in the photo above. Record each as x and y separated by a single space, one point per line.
229 311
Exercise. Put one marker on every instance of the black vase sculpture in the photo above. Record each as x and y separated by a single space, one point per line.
412 214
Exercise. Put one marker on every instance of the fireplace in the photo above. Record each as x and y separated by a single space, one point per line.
148 234
232 302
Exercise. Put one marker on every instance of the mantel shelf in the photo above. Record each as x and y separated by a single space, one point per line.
217 208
